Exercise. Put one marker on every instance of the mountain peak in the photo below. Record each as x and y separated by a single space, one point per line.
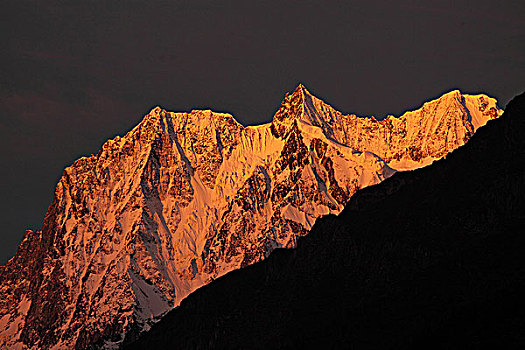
156 110
301 88
291 109
303 91
153 116
186 197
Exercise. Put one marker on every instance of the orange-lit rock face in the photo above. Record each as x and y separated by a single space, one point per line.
184 198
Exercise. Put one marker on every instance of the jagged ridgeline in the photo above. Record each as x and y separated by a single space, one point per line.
427 259
184 198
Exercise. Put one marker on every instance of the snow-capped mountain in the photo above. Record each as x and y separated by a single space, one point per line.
184 198
427 259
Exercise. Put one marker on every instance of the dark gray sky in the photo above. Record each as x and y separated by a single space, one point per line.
74 74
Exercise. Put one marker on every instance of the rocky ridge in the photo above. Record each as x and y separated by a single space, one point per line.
427 259
184 198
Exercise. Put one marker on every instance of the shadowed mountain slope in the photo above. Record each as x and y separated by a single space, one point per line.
431 258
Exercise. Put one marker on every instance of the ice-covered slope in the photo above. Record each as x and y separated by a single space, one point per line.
184 198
